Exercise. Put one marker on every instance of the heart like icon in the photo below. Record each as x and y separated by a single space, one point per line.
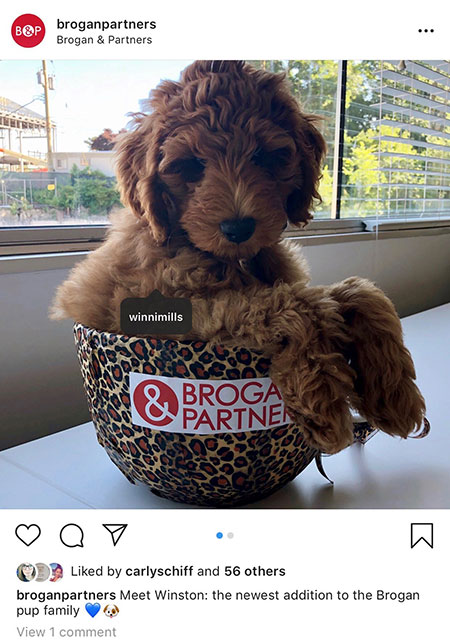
92 608
28 533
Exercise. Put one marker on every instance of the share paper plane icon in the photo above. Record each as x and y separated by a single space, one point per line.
116 532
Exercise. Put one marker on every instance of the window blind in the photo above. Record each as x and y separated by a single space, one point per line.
412 132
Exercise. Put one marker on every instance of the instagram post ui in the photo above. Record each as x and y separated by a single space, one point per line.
225 321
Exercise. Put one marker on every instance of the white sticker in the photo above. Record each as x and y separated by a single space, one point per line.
182 405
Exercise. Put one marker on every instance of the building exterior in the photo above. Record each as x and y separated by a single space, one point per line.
95 160
18 125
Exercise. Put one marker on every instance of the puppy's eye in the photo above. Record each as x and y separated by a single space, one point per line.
191 169
271 159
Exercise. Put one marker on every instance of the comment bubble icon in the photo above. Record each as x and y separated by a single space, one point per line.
71 535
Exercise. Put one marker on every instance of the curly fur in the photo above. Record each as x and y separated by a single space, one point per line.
229 141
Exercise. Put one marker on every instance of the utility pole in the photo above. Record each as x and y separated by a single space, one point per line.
48 124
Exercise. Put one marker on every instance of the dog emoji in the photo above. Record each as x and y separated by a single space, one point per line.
111 611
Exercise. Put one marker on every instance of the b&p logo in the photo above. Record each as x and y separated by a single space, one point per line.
184 405
28 30
155 402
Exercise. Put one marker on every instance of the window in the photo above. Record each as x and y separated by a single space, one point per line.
386 123
397 140
387 127
314 84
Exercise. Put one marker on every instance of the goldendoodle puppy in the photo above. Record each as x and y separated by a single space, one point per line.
212 176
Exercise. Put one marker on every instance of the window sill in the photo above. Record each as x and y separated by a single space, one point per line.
47 239
43 248
348 230
36 262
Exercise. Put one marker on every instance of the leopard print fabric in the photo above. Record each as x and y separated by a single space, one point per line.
212 470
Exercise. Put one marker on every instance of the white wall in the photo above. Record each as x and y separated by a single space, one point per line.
40 385
102 161
414 271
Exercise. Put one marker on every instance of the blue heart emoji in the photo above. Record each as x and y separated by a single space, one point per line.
92 608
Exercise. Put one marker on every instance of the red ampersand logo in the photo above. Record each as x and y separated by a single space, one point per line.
28 30
155 402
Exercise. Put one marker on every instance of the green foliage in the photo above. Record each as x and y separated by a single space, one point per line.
19 206
66 197
96 195
89 189
44 197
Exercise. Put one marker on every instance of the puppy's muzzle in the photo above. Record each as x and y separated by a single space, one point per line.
238 230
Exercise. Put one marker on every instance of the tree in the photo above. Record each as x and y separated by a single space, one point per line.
89 189
93 190
66 198
97 195
104 141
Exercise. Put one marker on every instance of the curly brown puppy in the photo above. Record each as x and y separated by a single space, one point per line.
212 176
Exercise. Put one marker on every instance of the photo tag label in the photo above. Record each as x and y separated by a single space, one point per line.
155 315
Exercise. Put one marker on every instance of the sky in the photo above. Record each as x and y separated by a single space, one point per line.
89 95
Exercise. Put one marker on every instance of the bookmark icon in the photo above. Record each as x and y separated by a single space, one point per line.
422 532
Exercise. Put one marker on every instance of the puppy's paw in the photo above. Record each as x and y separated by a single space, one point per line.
400 411
330 433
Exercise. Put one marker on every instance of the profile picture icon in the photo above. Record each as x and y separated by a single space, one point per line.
26 572
43 572
57 572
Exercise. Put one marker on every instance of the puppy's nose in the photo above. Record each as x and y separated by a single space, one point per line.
238 230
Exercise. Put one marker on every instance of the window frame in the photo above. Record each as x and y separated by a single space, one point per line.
46 241
15 240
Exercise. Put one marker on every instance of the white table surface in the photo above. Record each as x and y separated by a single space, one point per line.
69 470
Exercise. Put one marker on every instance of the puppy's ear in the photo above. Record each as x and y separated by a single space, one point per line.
137 172
129 164
137 161
311 149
